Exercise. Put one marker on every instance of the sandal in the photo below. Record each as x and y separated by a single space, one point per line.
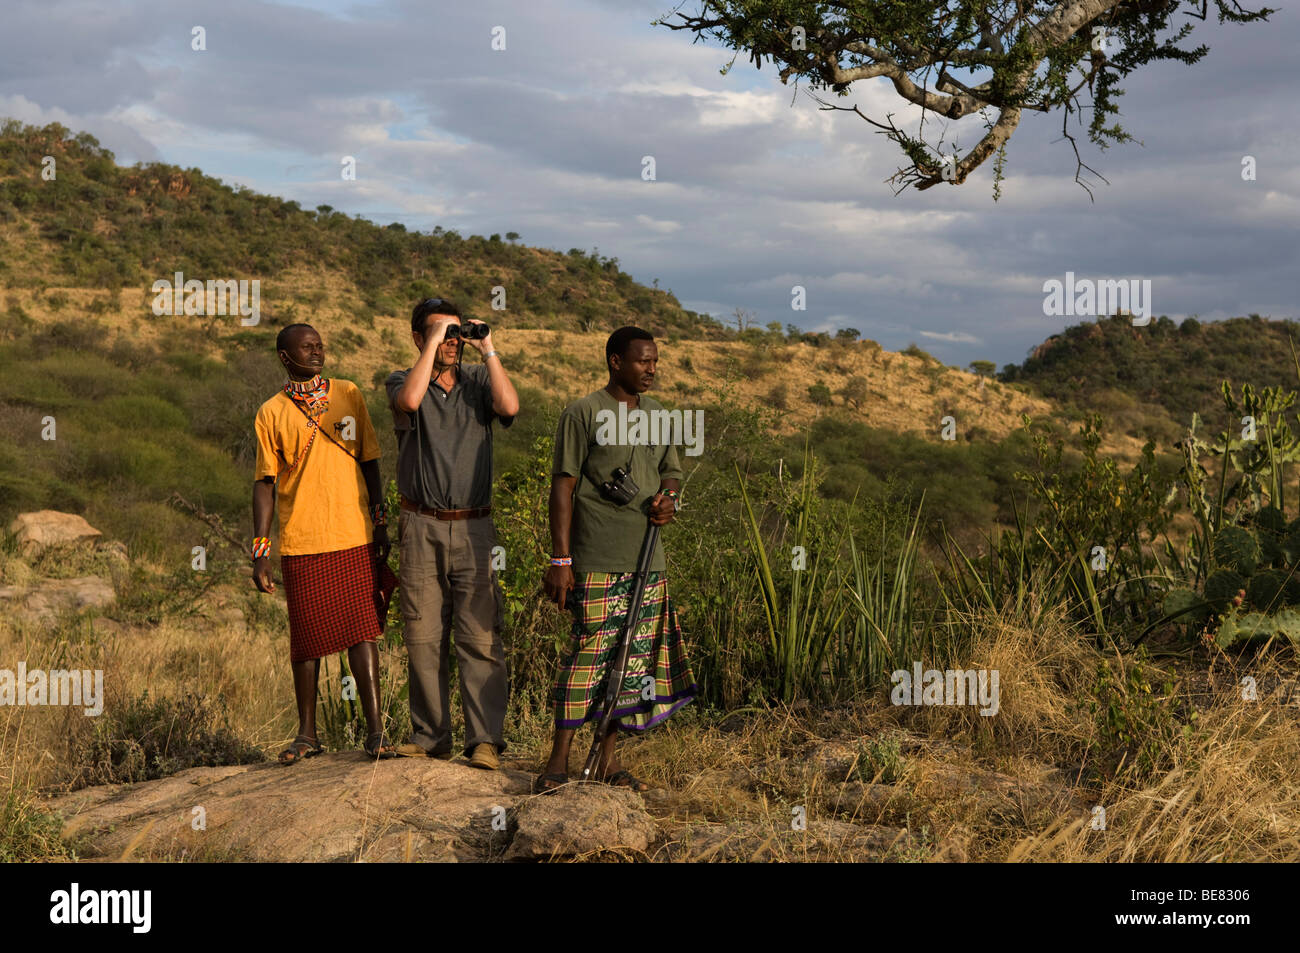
301 748
549 783
625 779
379 747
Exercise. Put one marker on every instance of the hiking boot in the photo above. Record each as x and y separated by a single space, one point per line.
484 756
412 750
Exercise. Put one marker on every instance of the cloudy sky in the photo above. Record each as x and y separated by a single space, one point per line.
756 190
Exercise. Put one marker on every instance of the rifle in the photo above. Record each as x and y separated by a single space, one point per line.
614 684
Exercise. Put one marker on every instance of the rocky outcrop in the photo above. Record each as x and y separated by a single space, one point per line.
346 807
45 598
36 532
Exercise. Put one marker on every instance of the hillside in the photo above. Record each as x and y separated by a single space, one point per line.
1151 379
95 224
150 405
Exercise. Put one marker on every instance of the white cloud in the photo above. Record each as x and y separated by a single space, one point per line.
663 227
952 337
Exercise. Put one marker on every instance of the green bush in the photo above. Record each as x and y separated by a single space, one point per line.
29 834
881 761
1142 725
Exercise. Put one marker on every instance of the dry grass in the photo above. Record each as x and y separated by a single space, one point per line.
1233 795
1012 787
906 393
1008 787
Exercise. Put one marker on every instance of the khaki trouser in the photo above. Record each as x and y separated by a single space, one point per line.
447 577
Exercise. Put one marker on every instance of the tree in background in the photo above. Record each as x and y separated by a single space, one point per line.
964 58
855 391
820 395
983 368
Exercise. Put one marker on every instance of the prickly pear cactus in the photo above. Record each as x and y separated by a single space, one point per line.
1186 605
1290 546
1265 590
1236 548
1270 519
1252 587
1244 627
1221 587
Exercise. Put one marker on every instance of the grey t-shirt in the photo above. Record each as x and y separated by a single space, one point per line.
444 449
606 537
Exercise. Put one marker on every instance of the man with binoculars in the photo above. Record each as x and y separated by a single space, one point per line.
603 491
443 414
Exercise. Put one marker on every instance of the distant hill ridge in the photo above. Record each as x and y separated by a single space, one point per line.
69 215
1177 368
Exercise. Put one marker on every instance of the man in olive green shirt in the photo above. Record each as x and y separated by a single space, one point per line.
596 536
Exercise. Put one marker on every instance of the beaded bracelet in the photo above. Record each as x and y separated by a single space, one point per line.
261 547
561 560
379 514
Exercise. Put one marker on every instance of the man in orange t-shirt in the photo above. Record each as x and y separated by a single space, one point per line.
316 443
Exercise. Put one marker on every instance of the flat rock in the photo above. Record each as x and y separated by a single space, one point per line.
37 531
346 807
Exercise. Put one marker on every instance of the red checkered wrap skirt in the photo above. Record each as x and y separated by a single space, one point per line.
335 600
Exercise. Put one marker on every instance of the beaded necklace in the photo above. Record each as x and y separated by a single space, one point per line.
313 397
312 394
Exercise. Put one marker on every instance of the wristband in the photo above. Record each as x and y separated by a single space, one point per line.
561 560
491 353
672 495
261 547
379 515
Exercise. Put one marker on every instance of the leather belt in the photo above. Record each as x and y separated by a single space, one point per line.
469 514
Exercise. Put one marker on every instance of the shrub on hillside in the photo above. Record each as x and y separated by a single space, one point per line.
148 738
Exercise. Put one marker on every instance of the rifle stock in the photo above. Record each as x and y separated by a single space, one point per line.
618 671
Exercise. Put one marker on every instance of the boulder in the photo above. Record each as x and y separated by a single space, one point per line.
38 531
580 819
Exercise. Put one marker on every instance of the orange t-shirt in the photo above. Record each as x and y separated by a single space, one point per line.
323 501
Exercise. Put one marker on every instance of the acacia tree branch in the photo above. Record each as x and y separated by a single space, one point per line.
1032 48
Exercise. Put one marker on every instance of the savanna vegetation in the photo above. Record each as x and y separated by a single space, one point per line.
1123 600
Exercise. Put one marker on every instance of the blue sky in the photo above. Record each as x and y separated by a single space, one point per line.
754 193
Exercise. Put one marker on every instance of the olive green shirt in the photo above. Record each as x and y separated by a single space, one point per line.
604 536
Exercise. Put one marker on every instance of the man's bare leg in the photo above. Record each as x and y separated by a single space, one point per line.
559 760
363 659
606 766
305 674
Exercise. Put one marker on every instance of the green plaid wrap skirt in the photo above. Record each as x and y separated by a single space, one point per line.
658 680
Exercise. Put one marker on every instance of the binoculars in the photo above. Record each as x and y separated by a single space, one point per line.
621 489
473 332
